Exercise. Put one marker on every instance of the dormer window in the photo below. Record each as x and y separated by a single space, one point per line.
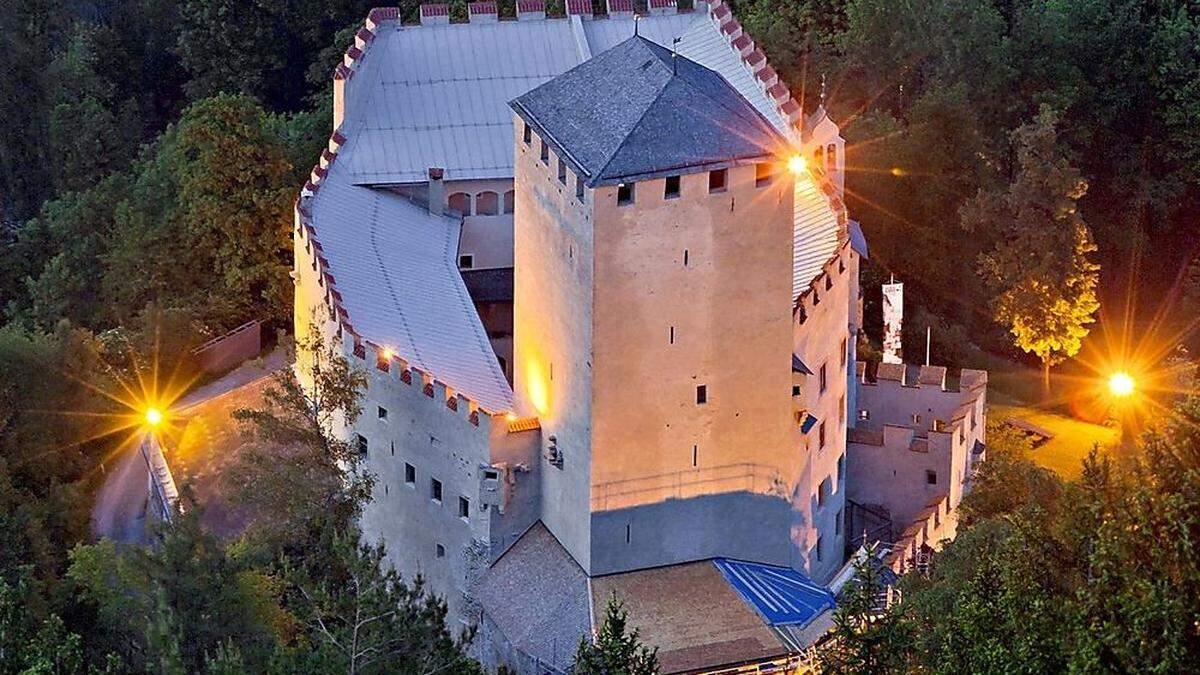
624 194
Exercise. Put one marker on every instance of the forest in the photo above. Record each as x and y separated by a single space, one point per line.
153 154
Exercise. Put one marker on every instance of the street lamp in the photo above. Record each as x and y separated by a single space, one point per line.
154 417
1121 384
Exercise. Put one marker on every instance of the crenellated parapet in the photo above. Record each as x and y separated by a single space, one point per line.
836 270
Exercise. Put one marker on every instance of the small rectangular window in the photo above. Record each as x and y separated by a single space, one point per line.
931 477
795 390
624 194
466 261
579 188
441 551
410 473
545 152
823 378
695 454
528 134
685 257
381 413
717 180
864 415
562 171
764 173
360 442
628 533
671 187
464 507
435 490
671 336
702 394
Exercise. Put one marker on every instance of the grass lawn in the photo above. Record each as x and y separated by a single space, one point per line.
1072 441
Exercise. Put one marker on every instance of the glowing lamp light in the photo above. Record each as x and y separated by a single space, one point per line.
797 164
387 354
897 171
154 417
1121 384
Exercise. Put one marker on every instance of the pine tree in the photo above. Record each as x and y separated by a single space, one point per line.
615 651
865 635
1039 270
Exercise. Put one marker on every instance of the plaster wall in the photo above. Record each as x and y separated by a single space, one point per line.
824 340
691 291
552 337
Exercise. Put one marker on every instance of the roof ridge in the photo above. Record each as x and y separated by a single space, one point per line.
616 151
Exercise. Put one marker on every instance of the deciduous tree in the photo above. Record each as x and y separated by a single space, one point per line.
1040 268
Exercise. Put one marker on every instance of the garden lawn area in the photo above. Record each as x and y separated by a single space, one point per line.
1073 438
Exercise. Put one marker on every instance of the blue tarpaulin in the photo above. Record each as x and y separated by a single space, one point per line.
781 595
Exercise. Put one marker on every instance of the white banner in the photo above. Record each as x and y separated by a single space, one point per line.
893 318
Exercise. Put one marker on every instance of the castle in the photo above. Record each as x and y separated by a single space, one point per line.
599 271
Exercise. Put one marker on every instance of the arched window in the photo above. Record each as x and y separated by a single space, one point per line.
460 202
487 203
510 198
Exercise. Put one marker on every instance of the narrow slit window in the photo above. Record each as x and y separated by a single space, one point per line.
628 533
821 436
545 153
695 454
528 134
685 257
562 172
671 187
624 194
671 335
579 188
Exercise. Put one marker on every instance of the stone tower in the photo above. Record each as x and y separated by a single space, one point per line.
654 314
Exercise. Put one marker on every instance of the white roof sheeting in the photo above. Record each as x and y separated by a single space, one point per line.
394 266
814 237
438 95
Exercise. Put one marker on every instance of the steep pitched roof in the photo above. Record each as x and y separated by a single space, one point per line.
637 111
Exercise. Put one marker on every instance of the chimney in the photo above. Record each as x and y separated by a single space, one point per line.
435 14
482 12
619 9
662 7
531 10
437 192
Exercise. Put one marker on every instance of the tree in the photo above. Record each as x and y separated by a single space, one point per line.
866 638
301 470
616 650
1039 270
364 619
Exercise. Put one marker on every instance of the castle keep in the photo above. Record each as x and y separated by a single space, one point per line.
600 274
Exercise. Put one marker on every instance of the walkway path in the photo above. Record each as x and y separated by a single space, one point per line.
120 509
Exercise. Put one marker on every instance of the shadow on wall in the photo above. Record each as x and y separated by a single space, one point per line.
740 525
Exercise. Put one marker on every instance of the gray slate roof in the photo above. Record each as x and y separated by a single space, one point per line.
636 111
